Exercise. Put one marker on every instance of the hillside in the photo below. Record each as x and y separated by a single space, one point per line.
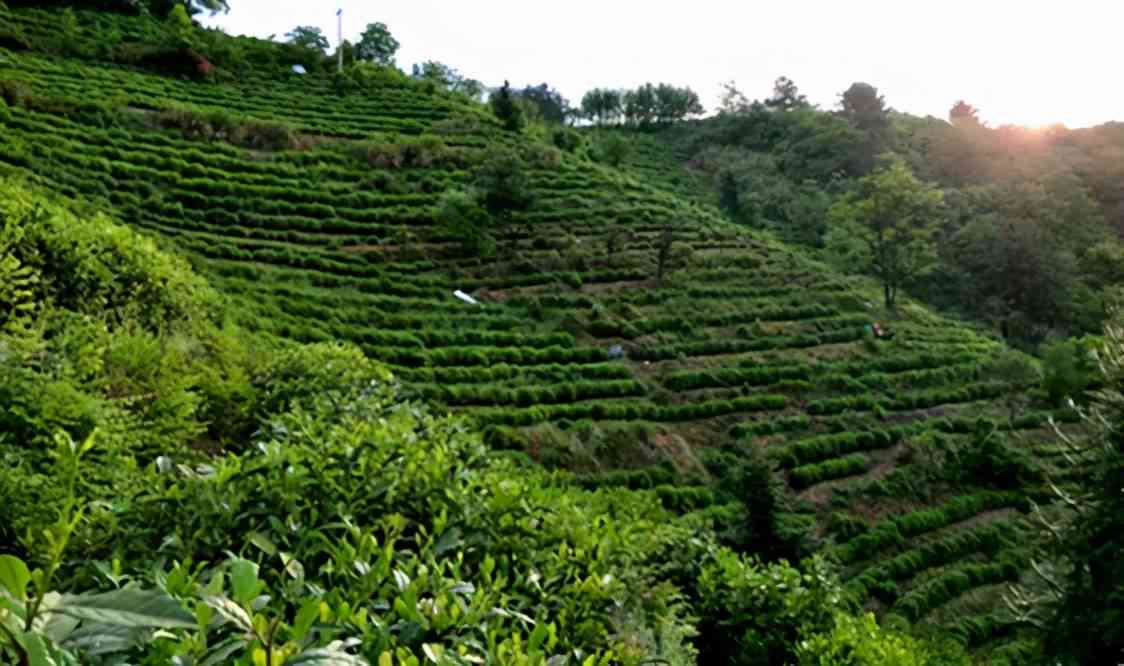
909 460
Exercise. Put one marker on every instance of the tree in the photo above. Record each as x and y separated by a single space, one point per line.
640 105
308 37
1088 546
161 8
673 104
866 110
1012 272
786 96
964 114
506 109
549 103
463 218
179 27
614 242
670 255
895 216
602 106
503 183
751 477
651 105
213 6
733 101
377 45
448 78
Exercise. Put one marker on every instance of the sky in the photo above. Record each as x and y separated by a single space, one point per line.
1028 62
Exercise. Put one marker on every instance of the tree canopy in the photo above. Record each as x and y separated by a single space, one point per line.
308 37
786 96
866 110
548 103
448 78
648 106
506 108
895 216
602 106
377 45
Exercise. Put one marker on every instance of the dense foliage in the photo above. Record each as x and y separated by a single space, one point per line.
454 393
327 517
1028 240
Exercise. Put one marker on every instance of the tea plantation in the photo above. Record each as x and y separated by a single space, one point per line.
644 396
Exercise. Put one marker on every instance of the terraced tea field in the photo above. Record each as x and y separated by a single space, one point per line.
744 343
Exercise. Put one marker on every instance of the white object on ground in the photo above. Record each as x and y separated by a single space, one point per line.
465 297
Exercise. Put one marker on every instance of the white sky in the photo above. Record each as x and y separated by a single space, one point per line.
1031 62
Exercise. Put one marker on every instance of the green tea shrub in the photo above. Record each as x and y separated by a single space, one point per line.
756 614
859 641
836 468
418 502
567 139
893 531
98 267
951 584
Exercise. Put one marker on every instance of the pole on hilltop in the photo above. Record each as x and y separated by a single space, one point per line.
339 43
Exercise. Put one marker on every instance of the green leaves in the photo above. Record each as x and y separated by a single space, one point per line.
127 608
244 581
14 576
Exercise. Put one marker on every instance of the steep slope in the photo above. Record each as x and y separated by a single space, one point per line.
744 344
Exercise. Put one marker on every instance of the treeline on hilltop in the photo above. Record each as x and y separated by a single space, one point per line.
159 8
1017 227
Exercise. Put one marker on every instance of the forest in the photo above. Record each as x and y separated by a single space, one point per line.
307 359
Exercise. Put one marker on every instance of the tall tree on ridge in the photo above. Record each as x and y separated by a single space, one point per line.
866 110
377 45
786 96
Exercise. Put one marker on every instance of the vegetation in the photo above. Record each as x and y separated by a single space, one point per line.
354 368
1024 241
893 215
377 45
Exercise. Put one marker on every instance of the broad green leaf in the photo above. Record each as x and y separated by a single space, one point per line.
14 576
308 613
243 580
293 566
101 639
128 608
263 543
221 654
38 652
328 656
55 626
450 540
537 637
231 611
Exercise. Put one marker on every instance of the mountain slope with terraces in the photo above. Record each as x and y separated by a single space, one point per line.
576 354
